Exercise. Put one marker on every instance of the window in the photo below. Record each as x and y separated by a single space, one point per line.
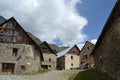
71 57
101 59
15 50
23 67
71 64
50 66
88 48
50 59
85 56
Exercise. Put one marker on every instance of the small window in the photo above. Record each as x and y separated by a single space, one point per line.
71 57
85 56
23 67
50 59
88 48
101 59
71 64
49 65
15 50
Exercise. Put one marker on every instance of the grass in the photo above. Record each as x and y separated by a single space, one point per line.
40 71
90 74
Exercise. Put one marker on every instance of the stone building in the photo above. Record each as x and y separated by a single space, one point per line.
107 49
50 57
19 53
85 57
68 58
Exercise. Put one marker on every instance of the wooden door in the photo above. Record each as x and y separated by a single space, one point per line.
8 67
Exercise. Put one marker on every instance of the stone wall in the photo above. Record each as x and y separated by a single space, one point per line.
27 56
71 63
86 51
107 54
61 63
50 60
70 60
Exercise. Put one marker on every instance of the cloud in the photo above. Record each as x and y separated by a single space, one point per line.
93 41
48 19
80 46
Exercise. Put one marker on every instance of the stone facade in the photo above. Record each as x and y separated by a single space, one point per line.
26 61
85 54
70 59
107 50
50 61
50 57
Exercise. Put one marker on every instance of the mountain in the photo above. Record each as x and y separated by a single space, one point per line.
57 49
2 19
37 40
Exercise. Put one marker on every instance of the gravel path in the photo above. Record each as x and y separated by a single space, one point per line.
51 75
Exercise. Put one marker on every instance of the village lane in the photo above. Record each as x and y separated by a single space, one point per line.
51 75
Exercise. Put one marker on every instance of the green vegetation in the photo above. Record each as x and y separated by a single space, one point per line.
42 70
90 74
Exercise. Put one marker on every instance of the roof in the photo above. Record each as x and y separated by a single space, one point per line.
48 47
12 18
87 42
62 53
115 12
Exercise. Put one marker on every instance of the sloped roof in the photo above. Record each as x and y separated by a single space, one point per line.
48 47
62 53
115 12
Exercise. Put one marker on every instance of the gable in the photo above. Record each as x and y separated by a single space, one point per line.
45 48
87 48
74 50
71 50
12 32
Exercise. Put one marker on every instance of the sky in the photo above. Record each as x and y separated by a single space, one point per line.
60 22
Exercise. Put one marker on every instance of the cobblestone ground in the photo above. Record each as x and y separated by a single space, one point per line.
51 75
